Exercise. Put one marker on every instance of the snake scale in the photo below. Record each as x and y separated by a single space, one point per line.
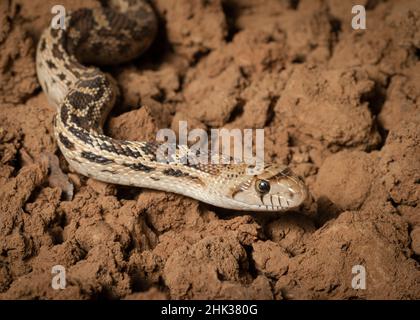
83 96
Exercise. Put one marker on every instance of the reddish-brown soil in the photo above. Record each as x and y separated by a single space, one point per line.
339 106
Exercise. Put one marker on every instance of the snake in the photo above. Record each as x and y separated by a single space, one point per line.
68 61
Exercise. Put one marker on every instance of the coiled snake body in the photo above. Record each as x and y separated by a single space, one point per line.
84 96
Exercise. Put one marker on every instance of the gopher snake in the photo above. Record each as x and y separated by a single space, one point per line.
84 96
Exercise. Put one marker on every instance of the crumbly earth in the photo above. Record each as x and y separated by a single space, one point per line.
340 106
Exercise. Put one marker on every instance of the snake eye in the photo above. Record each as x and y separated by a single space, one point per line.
262 186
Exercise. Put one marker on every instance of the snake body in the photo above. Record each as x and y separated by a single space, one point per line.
84 96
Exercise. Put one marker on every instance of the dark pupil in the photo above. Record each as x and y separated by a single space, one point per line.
264 186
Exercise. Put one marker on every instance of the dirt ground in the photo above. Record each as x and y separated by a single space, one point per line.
339 106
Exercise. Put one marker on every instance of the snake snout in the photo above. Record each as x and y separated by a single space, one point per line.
291 190
286 193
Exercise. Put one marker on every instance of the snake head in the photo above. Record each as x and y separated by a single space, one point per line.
276 188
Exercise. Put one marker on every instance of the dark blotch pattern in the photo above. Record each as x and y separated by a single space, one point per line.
131 152
139 167
64 113
57 52
66 142
174 173
81 135
50 64
54 32
80 100
95 158
61 76
113 146
179 173
43 45
150 149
